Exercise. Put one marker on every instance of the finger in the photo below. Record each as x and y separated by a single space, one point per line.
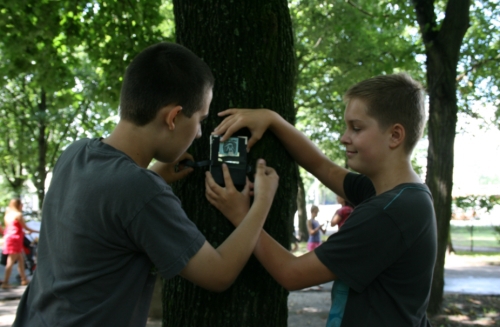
230 130
246 189
226 112
221 128
261 167
253 139
184 172
209 192
270 171
210 182
187 156
227 177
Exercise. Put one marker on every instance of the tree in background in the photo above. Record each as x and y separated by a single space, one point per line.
339 43
342 42
61 69
249 46
443 41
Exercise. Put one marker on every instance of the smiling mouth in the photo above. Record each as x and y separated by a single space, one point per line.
350 153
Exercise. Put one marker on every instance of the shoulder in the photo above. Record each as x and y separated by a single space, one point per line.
358 188
408 197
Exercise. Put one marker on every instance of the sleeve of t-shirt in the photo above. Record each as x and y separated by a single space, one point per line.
366 244
358 188
362 249
166 234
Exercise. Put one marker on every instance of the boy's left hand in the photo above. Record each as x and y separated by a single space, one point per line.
233 204
173 171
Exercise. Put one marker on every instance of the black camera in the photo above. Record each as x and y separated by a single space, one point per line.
233 153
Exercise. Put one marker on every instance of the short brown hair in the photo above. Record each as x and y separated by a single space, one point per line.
393 99
163 74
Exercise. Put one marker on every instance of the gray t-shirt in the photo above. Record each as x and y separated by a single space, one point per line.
106 222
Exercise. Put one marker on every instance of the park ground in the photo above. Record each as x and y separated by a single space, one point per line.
460 307
309 308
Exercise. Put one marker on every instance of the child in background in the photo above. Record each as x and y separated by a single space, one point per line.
314 228
341 214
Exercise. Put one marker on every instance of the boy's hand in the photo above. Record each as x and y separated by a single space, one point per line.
266 183
233 204
256 120
173 171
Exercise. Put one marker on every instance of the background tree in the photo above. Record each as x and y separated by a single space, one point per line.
249 46
338 44
442 44
61 75
342 42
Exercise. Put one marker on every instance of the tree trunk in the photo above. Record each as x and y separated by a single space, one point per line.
302 212
41 172
249 46
442 50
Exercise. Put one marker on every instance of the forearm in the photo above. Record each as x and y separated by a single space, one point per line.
277 260
303 150
237 248
291 272
307 154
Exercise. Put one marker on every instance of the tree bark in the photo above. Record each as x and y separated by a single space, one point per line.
443 50
41 172
249 46
302 212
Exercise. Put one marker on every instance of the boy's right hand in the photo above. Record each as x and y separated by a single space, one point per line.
256 120
266 182
233 204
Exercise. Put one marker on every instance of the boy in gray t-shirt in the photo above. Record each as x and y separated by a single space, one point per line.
107 219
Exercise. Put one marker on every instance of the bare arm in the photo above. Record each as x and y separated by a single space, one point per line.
216 269
24 226
305 152
336 219
168 170
310 229
290 271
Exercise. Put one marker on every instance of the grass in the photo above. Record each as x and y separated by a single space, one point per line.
477 236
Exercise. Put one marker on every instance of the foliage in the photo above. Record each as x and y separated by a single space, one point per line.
478 79
338 44
484 202
61 75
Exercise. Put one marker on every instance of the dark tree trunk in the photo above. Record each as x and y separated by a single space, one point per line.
249 46
449 246
41 172
302 212
443 51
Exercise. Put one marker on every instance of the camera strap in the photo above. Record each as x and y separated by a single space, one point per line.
197 164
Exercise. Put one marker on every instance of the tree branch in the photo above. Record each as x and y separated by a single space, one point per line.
477 65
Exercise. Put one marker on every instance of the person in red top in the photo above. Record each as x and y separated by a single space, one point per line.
341 214
13 240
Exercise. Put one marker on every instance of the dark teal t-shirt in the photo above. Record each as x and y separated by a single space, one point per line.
105 222
385 254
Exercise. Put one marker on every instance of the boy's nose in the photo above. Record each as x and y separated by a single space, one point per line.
344 138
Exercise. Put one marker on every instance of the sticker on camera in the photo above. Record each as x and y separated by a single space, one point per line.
229 148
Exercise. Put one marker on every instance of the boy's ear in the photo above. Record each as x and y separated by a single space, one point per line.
171 116
398 135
